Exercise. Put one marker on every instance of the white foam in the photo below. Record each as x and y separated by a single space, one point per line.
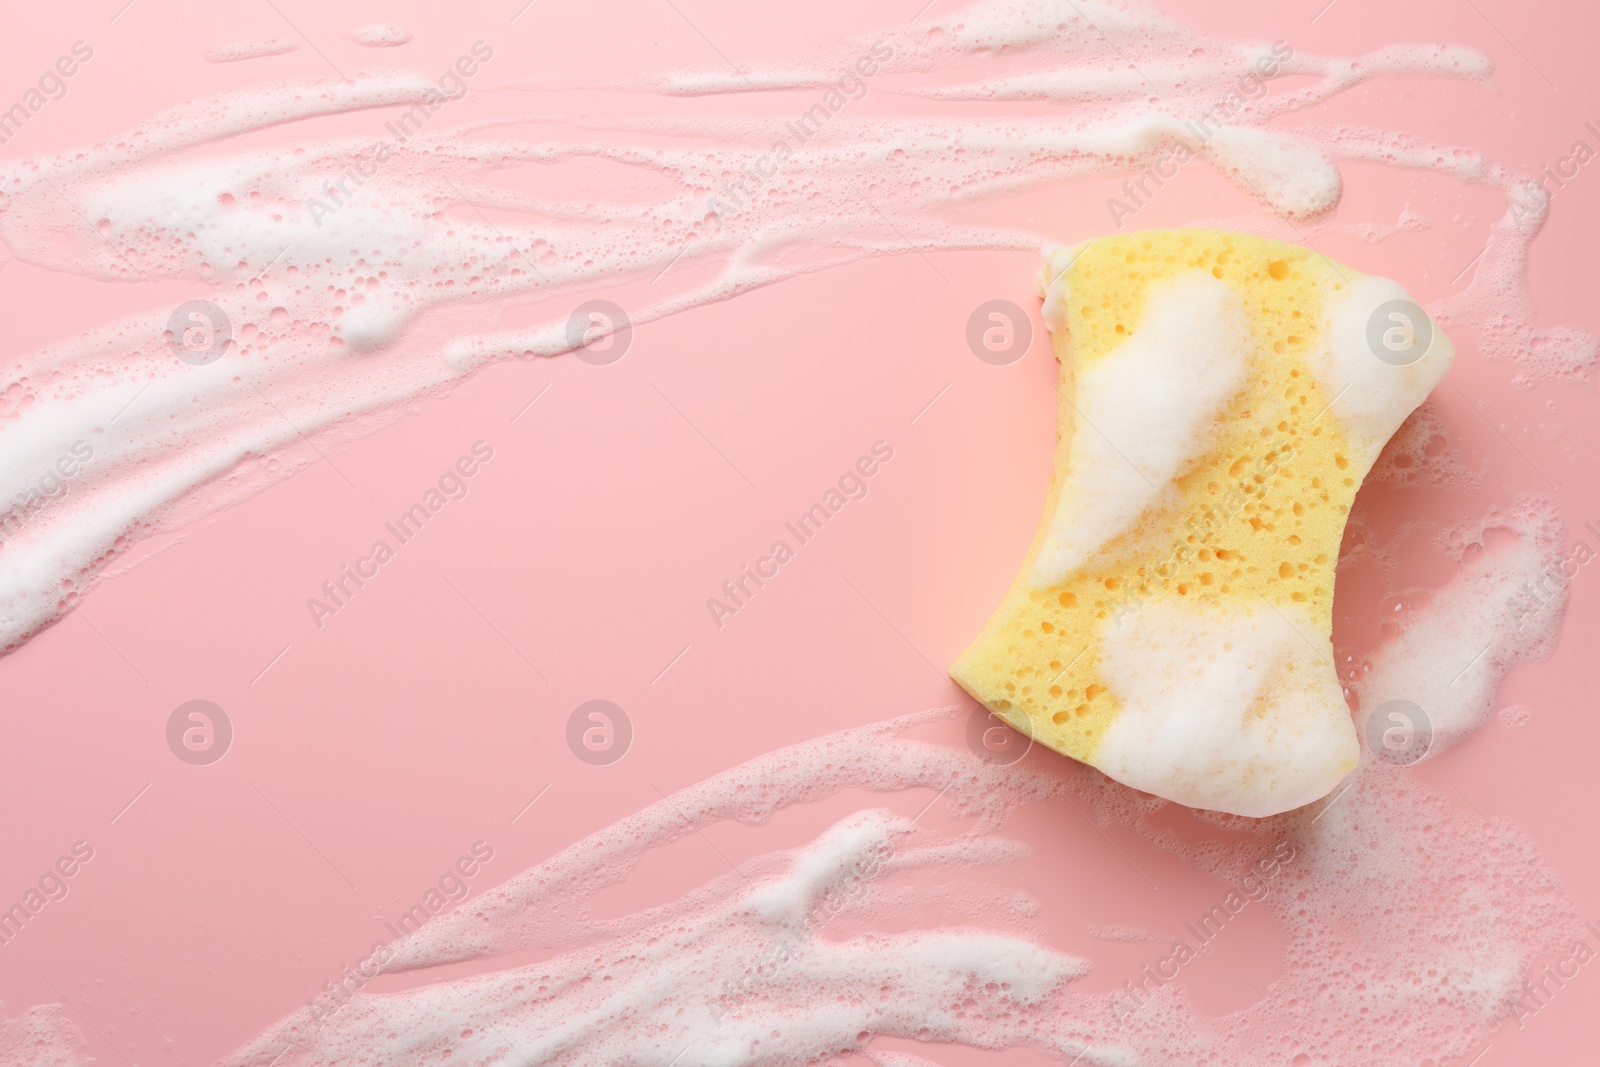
235 51
1498 304
390 276
1503 608
1372 396
43 1036
1515 716
1184 360
1297 179
380 35
393 276
1226 708
1054 289
803 955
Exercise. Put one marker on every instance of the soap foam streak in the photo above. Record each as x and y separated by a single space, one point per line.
341 319
1404 960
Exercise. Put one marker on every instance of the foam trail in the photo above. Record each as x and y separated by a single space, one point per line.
1502 609
236 51
785 961
356 273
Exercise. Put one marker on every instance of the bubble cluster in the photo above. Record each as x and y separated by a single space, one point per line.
1421 455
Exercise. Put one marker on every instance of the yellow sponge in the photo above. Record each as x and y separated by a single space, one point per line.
1221 398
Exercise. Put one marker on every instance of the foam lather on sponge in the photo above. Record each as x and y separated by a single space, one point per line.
1222 396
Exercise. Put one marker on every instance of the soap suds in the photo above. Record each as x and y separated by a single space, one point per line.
1372 396
1498 304
340 317
1186 358
1515 716
380 35
1502 609
1421 455
235 51
1123 933
42 1036
790 959
1228 709
1052 284
803 955
1405 962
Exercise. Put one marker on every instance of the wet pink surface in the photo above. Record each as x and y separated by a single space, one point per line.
369 754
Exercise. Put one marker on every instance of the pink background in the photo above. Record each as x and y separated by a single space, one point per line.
408 728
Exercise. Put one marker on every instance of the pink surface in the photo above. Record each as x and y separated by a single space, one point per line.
369 754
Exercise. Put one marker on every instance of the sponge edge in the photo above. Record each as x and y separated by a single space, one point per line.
1221 400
